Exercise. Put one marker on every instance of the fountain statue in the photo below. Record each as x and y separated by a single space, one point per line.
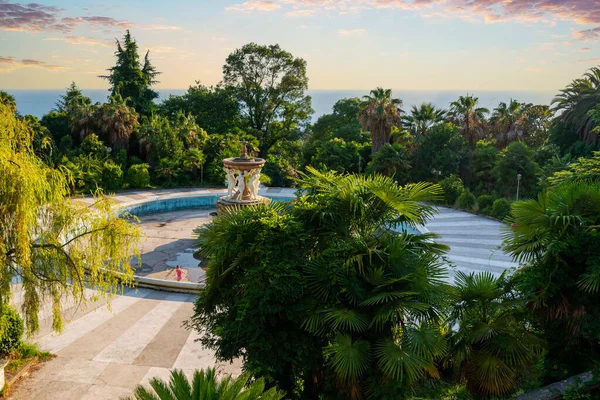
243 181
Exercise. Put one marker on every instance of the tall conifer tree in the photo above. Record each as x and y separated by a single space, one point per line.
130 78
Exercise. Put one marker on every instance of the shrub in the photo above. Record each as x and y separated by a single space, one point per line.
453 187
11 330
112 176
485 202
138 176
501 208
265 180
466 200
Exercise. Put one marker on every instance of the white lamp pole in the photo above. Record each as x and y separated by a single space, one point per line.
519 176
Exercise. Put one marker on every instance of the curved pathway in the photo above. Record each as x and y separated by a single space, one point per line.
104 352
474 242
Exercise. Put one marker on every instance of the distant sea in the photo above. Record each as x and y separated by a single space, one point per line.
40 102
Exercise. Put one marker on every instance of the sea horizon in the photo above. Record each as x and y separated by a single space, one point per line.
38 102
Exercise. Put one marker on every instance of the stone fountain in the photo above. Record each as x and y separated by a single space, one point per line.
243 180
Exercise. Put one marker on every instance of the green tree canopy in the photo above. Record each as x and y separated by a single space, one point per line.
327 291
465 113
443 149
379 114
131 78
556 238
215 109
270 85
575 102
51 245
516 159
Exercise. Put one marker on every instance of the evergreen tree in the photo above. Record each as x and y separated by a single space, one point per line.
132 79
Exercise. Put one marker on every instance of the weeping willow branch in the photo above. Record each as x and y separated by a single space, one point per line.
56 246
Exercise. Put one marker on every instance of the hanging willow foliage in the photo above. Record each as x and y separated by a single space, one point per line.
52 246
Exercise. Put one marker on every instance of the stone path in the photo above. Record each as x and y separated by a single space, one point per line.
105 353
474 242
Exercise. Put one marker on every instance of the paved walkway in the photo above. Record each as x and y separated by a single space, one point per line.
474 242
105 352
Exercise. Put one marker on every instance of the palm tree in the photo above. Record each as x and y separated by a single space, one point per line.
465 113
506 120
117 121
379 113
205 386
422 118
555 237
193 161
575 102
83 119
491 347
377 294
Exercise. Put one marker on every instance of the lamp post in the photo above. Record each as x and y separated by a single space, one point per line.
519 176
437 174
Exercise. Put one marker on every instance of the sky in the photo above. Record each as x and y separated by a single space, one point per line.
348 44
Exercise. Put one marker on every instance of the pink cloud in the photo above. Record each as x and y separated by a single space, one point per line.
8 64
255 5
351 32
35 17
580 12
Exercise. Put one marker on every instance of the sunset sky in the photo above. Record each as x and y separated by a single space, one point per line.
348 44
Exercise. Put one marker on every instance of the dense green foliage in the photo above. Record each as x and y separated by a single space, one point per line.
11 330
205 386
557 239
131 79
321 294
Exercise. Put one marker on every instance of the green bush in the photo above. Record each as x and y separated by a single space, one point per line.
112 176
485 202
453 187
265 179
11 330
501 208
466 200
138 176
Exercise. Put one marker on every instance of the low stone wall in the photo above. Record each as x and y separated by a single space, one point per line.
555 390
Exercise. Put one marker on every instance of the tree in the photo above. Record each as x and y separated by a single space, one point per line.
8 100
379 113
269 85
205 386
465 113
72 99
391 160
252 304
337 140
117 121
575 102
130 78
54 246
83 119
327 292
581 170
482 165
194 161
516 159
215 108
444 150
506 121
422 118
491 346
555 236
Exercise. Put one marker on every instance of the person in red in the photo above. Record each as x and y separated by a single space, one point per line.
179 273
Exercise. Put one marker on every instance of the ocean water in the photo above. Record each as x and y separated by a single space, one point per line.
40 102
